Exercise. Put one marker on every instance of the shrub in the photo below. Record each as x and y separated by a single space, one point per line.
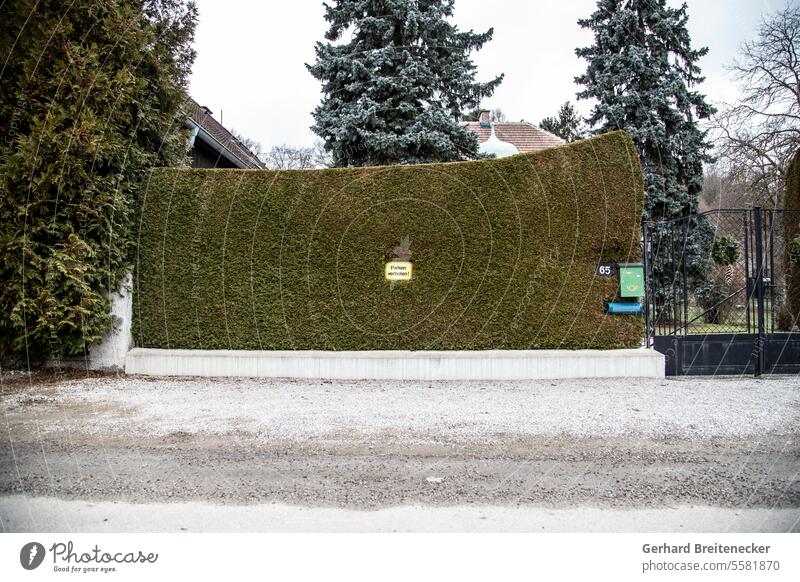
88 98
784 321
711 297
791 232
725 251
504 254
794 251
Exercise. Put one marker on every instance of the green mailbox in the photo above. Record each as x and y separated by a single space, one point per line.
631 279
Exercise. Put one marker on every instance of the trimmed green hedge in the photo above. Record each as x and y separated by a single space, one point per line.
504 254
791 230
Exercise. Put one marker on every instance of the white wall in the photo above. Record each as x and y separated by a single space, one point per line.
400 364
109 354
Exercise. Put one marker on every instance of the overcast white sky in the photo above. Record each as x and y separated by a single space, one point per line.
251 55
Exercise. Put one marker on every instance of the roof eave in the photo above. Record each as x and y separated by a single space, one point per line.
220 148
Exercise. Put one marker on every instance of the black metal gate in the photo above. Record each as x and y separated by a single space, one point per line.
716 292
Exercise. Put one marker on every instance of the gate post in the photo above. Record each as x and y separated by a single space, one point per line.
759 290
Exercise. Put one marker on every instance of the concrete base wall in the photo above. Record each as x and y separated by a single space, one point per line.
109 353
399 365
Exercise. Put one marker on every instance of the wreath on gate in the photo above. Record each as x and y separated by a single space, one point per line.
725 251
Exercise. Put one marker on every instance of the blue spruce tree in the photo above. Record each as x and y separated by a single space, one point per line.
641 72
395 92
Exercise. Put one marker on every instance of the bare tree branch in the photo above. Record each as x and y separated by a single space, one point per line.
286 157
756 137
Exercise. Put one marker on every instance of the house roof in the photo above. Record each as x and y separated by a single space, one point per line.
213 129
525 136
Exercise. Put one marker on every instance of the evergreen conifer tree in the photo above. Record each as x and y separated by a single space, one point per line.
567 125
89 92
395 92
642 72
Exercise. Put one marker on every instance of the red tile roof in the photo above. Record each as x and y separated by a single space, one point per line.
525 136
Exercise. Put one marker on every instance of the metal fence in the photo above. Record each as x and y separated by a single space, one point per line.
720 276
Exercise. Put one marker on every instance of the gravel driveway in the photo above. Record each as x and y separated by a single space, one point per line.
625 444
413 411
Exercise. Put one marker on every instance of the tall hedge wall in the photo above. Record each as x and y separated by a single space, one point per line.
791 225
504 254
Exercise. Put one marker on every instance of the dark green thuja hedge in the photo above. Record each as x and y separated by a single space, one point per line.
791 233
89 95
504 254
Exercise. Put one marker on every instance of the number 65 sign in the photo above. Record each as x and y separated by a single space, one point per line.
605 269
